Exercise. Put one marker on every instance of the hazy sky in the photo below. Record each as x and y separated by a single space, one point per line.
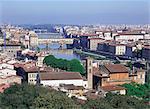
75 11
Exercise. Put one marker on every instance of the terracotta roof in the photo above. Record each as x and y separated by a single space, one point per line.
88 34
147 47
29 69
116 44
11 76
96 39
131 34
112 88
3 87
60 76
116 68
72 87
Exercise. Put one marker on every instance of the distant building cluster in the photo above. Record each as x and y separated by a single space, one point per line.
121 40
21 63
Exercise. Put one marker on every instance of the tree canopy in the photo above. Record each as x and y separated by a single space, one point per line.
36 97
73 65
112 101
139 90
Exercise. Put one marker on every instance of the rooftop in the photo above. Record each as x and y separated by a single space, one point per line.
60 76
116 68
112 88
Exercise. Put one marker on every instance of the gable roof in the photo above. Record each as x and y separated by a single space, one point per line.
60 76
116 68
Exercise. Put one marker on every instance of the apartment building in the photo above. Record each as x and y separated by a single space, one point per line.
11 48
93 42
129 36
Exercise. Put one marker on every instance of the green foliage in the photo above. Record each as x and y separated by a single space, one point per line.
129 64
138 90
112 101
69 65
34 97
97 104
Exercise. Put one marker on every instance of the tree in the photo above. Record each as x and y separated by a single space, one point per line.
139 90
73 65
97 104
35 97
129 64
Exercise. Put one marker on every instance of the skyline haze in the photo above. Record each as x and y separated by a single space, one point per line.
75 12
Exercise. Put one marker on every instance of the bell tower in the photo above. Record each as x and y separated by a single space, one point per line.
89 70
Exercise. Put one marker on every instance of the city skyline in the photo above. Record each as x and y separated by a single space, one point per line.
75 12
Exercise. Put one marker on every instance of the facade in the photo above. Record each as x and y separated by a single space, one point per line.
10 79
103 47
114 74
8 74
129 50
10 49
55 79
108 35
28 71
40 58
89 68
146 52
6 65
117 49
114 89
84 42
72 90
134 37
138 76
33 39
93 42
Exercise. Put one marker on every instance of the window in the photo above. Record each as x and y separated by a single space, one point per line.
90 63
90 71
141 77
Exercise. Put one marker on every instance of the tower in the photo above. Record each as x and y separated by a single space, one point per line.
89 70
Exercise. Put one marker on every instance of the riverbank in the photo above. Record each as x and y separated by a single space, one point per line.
93 55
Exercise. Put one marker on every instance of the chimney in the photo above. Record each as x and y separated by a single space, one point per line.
89 70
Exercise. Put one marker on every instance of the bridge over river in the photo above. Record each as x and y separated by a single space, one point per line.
50 38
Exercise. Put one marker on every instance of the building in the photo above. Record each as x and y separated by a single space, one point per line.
129 36
117 49
93 42
138 76
129 50
112 75
40 58
89 68
10 79
8 74
103 46
113 89
28 71
55 79
146 52
10 48
33 39
72 90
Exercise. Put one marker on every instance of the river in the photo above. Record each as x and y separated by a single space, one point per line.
54 48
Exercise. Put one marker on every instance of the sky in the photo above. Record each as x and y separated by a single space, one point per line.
75 11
